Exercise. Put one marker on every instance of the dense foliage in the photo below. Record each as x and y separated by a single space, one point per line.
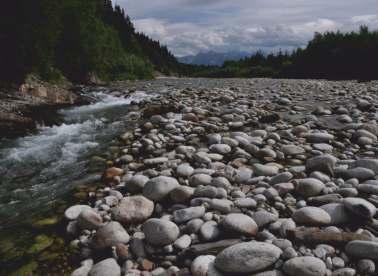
75 39
332 55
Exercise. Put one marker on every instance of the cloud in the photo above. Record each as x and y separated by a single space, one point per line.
192 26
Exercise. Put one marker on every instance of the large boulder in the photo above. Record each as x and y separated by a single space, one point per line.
311 216
110 235
158 188
160 232
247 257
305 266
108 267
308 187
240 224
133 209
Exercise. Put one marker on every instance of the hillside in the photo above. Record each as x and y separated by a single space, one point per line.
77 40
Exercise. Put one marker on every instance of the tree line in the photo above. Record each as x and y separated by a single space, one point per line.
332 55
73 39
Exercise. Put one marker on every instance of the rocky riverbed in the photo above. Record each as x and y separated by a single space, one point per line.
236 177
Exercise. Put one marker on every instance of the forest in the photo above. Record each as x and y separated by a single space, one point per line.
73 39
332 55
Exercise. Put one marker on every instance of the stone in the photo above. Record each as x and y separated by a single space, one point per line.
220 148
110 235
305 266
360 173
360 207
136 183
204 266
292 150
366 267
265 170
184 170
73 212
133 209
209 231
281 178
183 242
89 219
263 218
158 188
248 203
160 232
337 212
371 164
319 137
181 194
84 269
155 161
247 257
344 272
200 179
323 163
311 216
108 267
362 249
112 172
186 214
240 224
308 187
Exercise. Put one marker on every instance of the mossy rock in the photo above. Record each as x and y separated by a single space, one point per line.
41 243
46 222
48 256
80 195
26 270
9 251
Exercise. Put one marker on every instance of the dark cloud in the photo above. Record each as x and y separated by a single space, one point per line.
191 26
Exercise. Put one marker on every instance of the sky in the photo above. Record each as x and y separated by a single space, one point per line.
188 27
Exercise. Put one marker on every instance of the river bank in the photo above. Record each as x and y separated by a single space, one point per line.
273 176
35 103
218 151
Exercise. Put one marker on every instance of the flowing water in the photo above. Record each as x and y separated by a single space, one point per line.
36 171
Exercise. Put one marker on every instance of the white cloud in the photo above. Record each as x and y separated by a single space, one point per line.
365 19
192 26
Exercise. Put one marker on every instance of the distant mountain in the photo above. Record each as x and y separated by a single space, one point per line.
212 58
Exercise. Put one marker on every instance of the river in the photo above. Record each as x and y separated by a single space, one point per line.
39 170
